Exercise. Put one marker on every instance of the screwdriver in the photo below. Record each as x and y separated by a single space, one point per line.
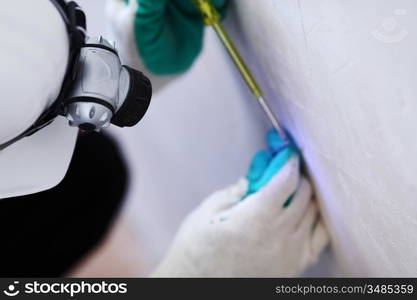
212 18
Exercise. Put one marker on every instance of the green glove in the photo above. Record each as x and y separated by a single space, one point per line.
169 34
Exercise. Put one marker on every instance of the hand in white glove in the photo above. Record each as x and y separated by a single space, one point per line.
227 237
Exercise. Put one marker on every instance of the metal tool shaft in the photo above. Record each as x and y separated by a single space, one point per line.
212 18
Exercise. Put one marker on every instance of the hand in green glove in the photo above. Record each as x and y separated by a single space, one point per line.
169 34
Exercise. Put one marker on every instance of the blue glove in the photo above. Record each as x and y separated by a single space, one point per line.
266 163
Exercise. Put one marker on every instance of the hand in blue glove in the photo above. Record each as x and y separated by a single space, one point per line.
266 163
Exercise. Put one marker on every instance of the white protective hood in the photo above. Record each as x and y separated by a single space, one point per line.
33 60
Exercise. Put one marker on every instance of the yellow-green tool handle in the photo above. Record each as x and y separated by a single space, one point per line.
212 18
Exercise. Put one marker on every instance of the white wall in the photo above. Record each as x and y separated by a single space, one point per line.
342 74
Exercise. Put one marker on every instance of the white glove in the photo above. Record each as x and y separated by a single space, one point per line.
122 18
256 237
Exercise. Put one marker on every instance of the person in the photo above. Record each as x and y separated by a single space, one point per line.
267 224
260 235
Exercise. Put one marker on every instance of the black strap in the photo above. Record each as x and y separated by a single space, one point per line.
75 22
